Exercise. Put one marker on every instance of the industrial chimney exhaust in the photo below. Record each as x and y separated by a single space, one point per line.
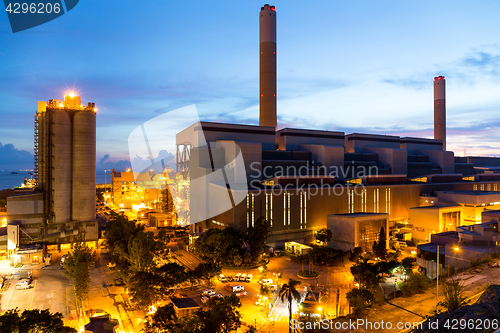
440 109
268 66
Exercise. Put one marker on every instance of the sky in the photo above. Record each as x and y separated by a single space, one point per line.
357 67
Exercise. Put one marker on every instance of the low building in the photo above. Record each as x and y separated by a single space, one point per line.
297 248
356 230
102 324
185 306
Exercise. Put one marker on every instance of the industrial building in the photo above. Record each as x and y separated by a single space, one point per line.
303 180
62 206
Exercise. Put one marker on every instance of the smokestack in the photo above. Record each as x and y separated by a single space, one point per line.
268 66
440 109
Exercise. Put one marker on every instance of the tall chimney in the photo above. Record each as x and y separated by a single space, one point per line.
440 109
268 66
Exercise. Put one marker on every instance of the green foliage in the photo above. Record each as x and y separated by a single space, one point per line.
407 264
365 274
149 287
386 267
33 321
119 231
289 292
218 315
415 283
380 246
226 245
257 237
143 248
324 235
77 267
207 271
356 253
360 299
454 298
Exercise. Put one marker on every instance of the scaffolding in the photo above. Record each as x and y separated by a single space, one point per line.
35 177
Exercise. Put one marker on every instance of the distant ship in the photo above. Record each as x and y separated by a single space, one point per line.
14 173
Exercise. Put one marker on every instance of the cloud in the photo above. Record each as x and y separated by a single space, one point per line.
418 84
104 164
13 159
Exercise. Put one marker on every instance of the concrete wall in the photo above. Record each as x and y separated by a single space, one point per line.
390 158
412 144
332 157
291 138
444 159
356 142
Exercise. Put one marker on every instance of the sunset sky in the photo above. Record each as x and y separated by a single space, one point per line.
363 66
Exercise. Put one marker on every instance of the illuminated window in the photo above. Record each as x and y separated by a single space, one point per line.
388 200
253 209
351 201
248 210
363 201
495 188
488 187
289 209
482 187
303 210
475 187
284 208
376 200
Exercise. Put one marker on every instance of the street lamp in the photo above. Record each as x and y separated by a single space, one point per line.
437 277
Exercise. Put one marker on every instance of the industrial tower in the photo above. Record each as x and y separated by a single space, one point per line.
268 66
440 109
65 159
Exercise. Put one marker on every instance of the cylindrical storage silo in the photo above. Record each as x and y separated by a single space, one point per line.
59 164
84 165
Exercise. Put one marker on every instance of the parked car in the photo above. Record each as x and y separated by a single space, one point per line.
243 277
237 277
204 299
234 289
249 278
277 253
208 292
266 282
230 278
24 283
222 278
216 295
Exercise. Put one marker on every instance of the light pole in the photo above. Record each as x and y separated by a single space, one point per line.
105 185
437 277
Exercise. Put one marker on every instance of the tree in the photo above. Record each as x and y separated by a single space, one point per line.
163 320
257 237
415 283
407 264
380 246
324 236
360 299
220 315
365 274
453 296
33 321
207 271
143 248
214 244
356 254
288 291
77 267
119 231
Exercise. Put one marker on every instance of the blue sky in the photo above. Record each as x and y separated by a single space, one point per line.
364 66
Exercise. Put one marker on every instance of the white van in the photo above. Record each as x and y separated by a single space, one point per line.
249 278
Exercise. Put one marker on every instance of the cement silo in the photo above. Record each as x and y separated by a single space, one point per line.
65 159
84 165
267 22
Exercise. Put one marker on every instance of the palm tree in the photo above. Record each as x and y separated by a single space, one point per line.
289 291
